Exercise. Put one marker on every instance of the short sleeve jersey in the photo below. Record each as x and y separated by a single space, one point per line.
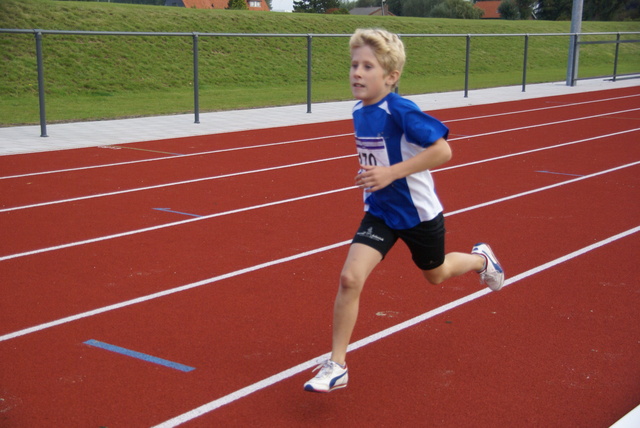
389 132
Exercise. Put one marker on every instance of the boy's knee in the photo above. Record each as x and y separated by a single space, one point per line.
350 281
435 276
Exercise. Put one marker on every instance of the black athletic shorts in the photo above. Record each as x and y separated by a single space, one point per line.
425 241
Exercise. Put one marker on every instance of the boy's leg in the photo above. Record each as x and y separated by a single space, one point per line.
360 262
333 373
455 264
481 260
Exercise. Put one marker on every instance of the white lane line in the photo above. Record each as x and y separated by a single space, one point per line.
241 393
166 292
257 267
541 149
236 174
542 189
177 183
232 149
166 225
521 128
542 108
299 141
207 217
293 141
630 420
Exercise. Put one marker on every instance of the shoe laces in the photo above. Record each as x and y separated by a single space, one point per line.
325 369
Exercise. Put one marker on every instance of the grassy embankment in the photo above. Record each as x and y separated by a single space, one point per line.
101 77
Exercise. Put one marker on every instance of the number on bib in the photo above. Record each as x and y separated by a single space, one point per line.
372 151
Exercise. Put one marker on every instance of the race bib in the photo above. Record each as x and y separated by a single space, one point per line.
372 151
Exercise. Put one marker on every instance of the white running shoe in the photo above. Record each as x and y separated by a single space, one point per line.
492 274
331 376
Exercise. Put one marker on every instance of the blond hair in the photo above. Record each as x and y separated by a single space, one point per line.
386 46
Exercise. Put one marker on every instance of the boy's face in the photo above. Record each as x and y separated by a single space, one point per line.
369 81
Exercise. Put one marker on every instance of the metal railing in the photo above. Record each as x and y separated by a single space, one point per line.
575 39
195 36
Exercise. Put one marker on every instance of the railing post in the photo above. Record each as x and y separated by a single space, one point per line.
43 114
196 85
524 65
615 61
572 74
309 56
466 68
576 25
397 89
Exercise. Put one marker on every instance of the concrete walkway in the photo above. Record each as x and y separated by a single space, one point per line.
27 139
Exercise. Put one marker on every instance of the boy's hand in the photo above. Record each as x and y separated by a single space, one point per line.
372 178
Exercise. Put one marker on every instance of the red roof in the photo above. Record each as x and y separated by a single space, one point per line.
222 4
490 9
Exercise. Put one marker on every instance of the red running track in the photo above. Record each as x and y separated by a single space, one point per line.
235 277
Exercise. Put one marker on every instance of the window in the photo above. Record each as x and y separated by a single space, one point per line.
254 3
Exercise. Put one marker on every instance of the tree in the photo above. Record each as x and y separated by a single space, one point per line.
315 6
608 10
456 9
459 9
395 7
508 9
592 10
420 8
555 10
525 8
237 5
367 3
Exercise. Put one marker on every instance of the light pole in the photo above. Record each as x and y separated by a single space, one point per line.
574 50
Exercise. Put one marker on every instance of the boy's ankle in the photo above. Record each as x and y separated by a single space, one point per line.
343 365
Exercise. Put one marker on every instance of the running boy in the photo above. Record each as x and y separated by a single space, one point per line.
397 145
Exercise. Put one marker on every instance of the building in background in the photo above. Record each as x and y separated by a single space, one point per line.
490 9
216 4
366 11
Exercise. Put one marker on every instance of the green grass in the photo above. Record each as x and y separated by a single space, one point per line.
101 77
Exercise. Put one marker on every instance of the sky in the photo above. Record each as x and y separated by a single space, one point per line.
282 5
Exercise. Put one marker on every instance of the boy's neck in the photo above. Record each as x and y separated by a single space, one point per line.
377 100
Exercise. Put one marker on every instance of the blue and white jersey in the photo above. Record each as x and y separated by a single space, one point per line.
389 132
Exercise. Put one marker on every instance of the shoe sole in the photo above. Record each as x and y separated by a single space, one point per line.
491 257
310 388
332 384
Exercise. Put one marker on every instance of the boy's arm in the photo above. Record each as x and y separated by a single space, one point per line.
374 178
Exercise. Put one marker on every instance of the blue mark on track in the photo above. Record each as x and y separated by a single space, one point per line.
139 355
561 173
176 212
